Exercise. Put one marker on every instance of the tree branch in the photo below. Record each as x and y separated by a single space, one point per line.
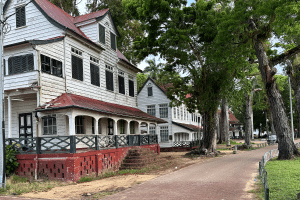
284 56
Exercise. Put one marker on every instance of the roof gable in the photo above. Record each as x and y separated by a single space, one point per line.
163 89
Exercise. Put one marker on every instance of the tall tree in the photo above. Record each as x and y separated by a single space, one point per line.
184 37
251 24
69 6
153 69
224 118
129 29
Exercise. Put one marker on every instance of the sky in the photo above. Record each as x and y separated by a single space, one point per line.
143 64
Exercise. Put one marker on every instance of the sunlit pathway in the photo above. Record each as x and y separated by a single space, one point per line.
221 178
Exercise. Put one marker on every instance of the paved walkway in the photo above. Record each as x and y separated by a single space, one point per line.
225 177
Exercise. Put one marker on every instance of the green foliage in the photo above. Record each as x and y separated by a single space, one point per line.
18 179
10 159
141 78
69 6
85 179
283 178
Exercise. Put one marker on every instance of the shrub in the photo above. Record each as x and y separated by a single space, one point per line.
18 179
10 159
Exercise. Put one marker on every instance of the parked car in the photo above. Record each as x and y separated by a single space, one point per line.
272 139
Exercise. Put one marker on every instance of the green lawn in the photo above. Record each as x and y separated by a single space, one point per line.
283 178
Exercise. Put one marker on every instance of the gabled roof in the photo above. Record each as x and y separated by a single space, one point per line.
37 42
163 88
232 118
89 16
76 101
187 126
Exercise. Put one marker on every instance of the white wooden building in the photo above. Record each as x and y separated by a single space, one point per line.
181 125
65 76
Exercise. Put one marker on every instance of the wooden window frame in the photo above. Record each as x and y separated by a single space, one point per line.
121 78
164 134
131 87
95 74
79 69
151 110
13 64
163 111
19 11
110 127
109 70
113 41
150 91
47 126
101 40
79 125
52 68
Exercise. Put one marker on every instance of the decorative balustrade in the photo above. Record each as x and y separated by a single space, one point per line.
69 144
184 144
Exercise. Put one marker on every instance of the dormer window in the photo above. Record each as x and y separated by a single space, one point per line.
20 16
113 41
101 34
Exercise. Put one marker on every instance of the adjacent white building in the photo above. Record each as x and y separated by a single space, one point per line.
181 127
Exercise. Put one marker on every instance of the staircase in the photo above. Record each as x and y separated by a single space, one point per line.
139 158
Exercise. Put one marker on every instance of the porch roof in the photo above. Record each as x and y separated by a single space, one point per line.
76 101
188 126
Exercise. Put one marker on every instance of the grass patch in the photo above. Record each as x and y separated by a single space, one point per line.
16 185
258 190
233 142
283 178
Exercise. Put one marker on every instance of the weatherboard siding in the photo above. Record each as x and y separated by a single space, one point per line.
18 107
37 26
158 98
85 88
51 86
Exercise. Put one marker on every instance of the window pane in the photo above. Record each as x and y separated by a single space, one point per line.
77 68
150 93
151 110
113 41
109 80
163 111
131 88
94 70
20 17
101 34
121 84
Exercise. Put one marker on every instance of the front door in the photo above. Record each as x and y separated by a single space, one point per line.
25 125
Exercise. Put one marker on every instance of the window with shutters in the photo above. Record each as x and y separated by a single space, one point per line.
164 134
20 17
77 68
109 78
20 64
151 110
49 125
121 81
101 34
51 66
95 76
150 92
113 41
79 128
131 86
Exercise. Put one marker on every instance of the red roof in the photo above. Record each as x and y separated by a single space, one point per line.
232 118
68 21
92 15
71 100
59 16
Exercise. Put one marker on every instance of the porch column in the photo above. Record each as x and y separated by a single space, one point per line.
128 128
9 117
148 128
191 136
139 128
115 127
71 124
96 126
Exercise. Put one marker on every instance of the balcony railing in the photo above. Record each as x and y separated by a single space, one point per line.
69 144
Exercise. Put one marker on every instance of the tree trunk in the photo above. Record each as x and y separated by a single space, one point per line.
267 123
210 131
273 132
252 125
286 146
224 129
248 120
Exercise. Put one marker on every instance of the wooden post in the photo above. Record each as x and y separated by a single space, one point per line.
72 144
38 145
96 142
116 140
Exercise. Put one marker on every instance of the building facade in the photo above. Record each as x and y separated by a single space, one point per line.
64 75
181 128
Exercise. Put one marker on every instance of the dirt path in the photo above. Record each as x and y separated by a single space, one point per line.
228 177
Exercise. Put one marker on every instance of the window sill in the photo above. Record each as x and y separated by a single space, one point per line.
110 90
20 73
21 27
77 79
52 74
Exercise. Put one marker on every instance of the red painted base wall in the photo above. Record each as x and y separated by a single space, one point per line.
71 167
